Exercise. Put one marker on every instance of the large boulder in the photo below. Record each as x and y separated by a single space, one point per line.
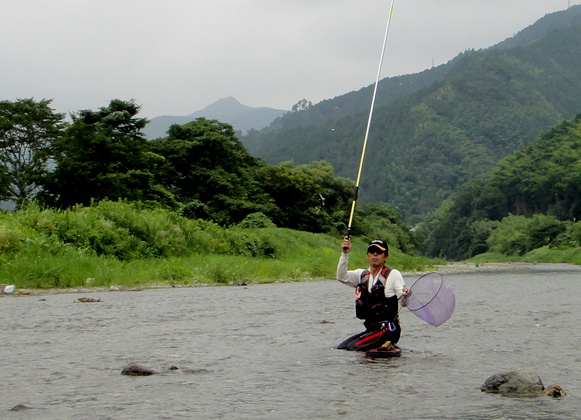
520 383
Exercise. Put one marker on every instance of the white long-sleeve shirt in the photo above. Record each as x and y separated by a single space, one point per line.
394 284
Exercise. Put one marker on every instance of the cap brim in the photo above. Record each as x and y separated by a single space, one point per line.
376 246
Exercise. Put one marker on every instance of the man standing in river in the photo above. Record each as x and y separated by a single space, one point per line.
379 291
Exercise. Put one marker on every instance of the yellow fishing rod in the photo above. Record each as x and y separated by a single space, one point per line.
369 121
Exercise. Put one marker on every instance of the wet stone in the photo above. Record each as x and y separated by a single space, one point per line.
135 369
520 383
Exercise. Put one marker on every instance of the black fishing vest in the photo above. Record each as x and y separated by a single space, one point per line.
373 306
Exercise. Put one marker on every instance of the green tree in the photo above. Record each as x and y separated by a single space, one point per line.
510 237
28 129
543 230
210 171
104 154
307 197
382 221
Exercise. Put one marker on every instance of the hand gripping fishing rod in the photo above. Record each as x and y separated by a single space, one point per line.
369 123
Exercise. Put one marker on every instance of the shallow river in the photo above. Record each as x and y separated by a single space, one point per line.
267 352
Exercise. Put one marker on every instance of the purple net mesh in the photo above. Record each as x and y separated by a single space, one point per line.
431 299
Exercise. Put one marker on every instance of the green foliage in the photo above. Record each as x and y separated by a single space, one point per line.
576 233
509 238
544 255
256 220
9 239
374 221
28 130
104 155
200 167
306 197
543 230
542 182
121 230
128 245
456 230
544 177
209 170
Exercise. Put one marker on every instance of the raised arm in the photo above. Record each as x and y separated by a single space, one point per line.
344 275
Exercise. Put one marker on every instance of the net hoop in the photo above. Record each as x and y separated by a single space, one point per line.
435 294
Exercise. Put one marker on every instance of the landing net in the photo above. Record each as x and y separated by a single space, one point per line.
431 299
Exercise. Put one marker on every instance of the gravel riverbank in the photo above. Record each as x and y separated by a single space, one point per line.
510 267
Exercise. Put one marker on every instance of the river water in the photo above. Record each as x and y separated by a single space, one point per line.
267 352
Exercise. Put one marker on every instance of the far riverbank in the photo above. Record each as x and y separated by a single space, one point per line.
448 269
471 268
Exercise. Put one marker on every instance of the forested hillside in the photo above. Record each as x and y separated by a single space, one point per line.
532 198
433 132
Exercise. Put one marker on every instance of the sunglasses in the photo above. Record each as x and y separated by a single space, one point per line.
375 250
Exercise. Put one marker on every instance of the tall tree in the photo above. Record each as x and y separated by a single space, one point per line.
28 129
209 170
307 197
104 155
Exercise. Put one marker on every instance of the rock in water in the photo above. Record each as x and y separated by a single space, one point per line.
137 370
516 383
554 391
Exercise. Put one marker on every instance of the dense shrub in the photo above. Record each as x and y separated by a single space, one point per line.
256 220
9 239
517 235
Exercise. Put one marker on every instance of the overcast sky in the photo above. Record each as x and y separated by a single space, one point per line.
175 57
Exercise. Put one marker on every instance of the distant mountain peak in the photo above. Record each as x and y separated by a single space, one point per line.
227 110
226 107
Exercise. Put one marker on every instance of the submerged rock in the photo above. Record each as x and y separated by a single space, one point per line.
188 370
87 300
135 369
520 383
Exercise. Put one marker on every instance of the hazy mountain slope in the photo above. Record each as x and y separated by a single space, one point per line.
542 27
541 182
345 105
227 110
426 143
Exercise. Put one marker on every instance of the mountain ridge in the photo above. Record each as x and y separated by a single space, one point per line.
429 138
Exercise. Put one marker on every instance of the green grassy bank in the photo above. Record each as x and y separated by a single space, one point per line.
124 245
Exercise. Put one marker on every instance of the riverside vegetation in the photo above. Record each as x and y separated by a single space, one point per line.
124 244
97 204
